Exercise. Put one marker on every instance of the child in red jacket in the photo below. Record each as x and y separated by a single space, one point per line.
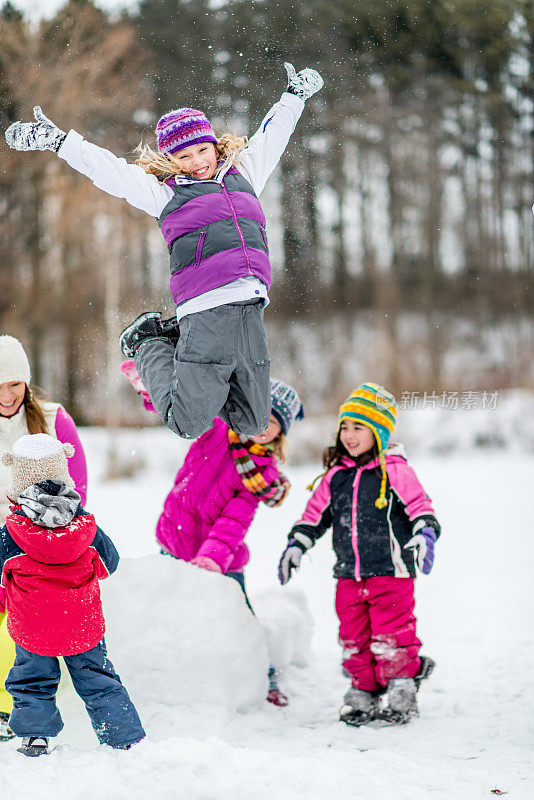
52 555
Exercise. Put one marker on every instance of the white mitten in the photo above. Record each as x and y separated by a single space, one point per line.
39 135
290 560
303 83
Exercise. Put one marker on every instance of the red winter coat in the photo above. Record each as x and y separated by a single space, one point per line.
209 511
50 577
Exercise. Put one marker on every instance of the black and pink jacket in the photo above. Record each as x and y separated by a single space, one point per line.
368 541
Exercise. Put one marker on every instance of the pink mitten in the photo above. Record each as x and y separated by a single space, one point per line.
128 369
206 563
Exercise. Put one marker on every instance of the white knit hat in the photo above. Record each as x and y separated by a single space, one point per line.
37 457
14 364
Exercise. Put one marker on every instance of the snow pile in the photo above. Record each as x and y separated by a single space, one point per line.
174 631
182 638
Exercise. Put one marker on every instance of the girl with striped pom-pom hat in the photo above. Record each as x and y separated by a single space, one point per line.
384 528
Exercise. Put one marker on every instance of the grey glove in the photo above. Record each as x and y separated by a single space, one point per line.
303 83
39 135
290 560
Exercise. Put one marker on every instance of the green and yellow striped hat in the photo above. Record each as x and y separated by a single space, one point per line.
373 406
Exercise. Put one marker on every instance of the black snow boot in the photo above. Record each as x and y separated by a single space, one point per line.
146 326
170 329
5 731
359 707
425 670
33 746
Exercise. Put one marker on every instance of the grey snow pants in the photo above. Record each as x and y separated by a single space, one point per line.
220 368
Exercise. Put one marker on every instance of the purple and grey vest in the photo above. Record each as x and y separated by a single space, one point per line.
215 233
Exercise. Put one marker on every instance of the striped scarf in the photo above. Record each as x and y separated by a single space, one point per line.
242 448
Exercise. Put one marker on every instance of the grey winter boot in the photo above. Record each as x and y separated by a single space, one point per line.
401 701
33 746
359 707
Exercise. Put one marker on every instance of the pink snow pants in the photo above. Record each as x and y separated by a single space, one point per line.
377 630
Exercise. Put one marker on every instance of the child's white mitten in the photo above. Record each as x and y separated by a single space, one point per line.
290 560
39 135
303 83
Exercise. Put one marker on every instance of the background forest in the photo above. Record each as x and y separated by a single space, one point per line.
399 219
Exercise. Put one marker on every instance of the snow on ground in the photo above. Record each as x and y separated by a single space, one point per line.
194 659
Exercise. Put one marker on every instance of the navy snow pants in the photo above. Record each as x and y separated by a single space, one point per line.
33 682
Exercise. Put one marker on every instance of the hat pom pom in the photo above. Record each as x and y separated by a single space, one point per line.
381 502
7 459
68 449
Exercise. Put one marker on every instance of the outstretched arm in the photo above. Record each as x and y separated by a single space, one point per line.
108 172
265 148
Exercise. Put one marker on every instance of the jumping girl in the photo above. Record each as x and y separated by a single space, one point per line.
203 191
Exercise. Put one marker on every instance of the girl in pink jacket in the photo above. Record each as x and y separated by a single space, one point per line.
218 488
383 528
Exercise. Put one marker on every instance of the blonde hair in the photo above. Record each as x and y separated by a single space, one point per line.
228 147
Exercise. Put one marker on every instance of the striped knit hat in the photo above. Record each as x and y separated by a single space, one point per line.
181 128
286 405
373 406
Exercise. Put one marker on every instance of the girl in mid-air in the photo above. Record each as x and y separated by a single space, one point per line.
212 359
384 528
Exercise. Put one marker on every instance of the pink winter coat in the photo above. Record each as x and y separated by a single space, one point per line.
209 511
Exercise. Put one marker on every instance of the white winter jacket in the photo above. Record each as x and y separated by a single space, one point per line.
129 181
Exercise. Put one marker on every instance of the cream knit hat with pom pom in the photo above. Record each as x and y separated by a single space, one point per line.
37 457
